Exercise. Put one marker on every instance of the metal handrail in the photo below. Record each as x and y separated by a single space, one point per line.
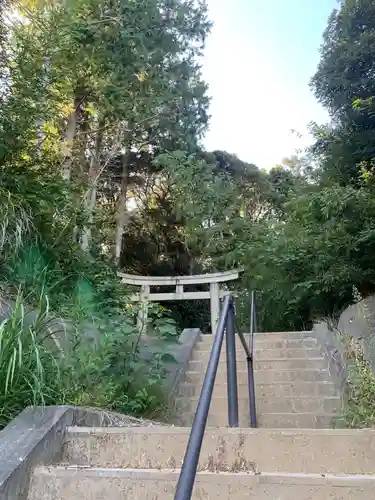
250 362
227 326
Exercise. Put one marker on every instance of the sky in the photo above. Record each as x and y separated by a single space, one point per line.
258 62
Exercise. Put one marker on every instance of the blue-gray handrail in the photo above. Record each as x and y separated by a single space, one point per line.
250 359
227 326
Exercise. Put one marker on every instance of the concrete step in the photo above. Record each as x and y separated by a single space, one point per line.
60 483
219 405
296 420
264 376
267 364
267 343
272 420
264 354
283 335
291 389
269 336
335 451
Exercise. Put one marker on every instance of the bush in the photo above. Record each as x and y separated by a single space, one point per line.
99 361
119 372
46 276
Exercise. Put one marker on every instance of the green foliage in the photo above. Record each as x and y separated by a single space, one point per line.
116 373
210 202
163 325
318 247
99 362
314 238
345 84
344 73
307 265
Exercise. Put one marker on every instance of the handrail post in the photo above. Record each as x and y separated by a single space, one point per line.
250 374
252 321
190 464
231 368
250 364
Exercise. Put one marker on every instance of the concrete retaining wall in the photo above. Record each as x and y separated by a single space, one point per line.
358 321
333 348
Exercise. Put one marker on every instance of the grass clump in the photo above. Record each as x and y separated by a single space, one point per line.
29 372
359 409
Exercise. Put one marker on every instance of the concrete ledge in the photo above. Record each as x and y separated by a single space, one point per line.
183 353
323 451
358 322
96 417
61 483
36 437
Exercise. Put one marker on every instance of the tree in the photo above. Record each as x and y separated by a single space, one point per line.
345 84
139 89
90 90
346 68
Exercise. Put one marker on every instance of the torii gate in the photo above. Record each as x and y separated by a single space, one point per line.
146 282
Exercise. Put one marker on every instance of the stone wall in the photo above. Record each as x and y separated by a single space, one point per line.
358 321
332 346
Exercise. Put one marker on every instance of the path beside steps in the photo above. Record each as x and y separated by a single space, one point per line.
294 453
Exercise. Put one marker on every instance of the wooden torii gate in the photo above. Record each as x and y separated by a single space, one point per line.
146 282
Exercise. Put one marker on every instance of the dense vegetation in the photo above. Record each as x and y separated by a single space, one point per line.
102 112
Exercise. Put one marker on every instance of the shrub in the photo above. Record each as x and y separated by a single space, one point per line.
118 371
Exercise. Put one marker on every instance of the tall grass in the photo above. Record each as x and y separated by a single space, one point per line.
15 224
29 372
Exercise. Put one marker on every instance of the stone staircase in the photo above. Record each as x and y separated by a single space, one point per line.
293 386
293 453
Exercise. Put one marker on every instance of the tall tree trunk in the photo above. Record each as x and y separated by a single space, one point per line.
91 195
121 206
70 135
68 145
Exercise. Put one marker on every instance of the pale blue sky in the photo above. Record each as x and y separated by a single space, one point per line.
258 63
